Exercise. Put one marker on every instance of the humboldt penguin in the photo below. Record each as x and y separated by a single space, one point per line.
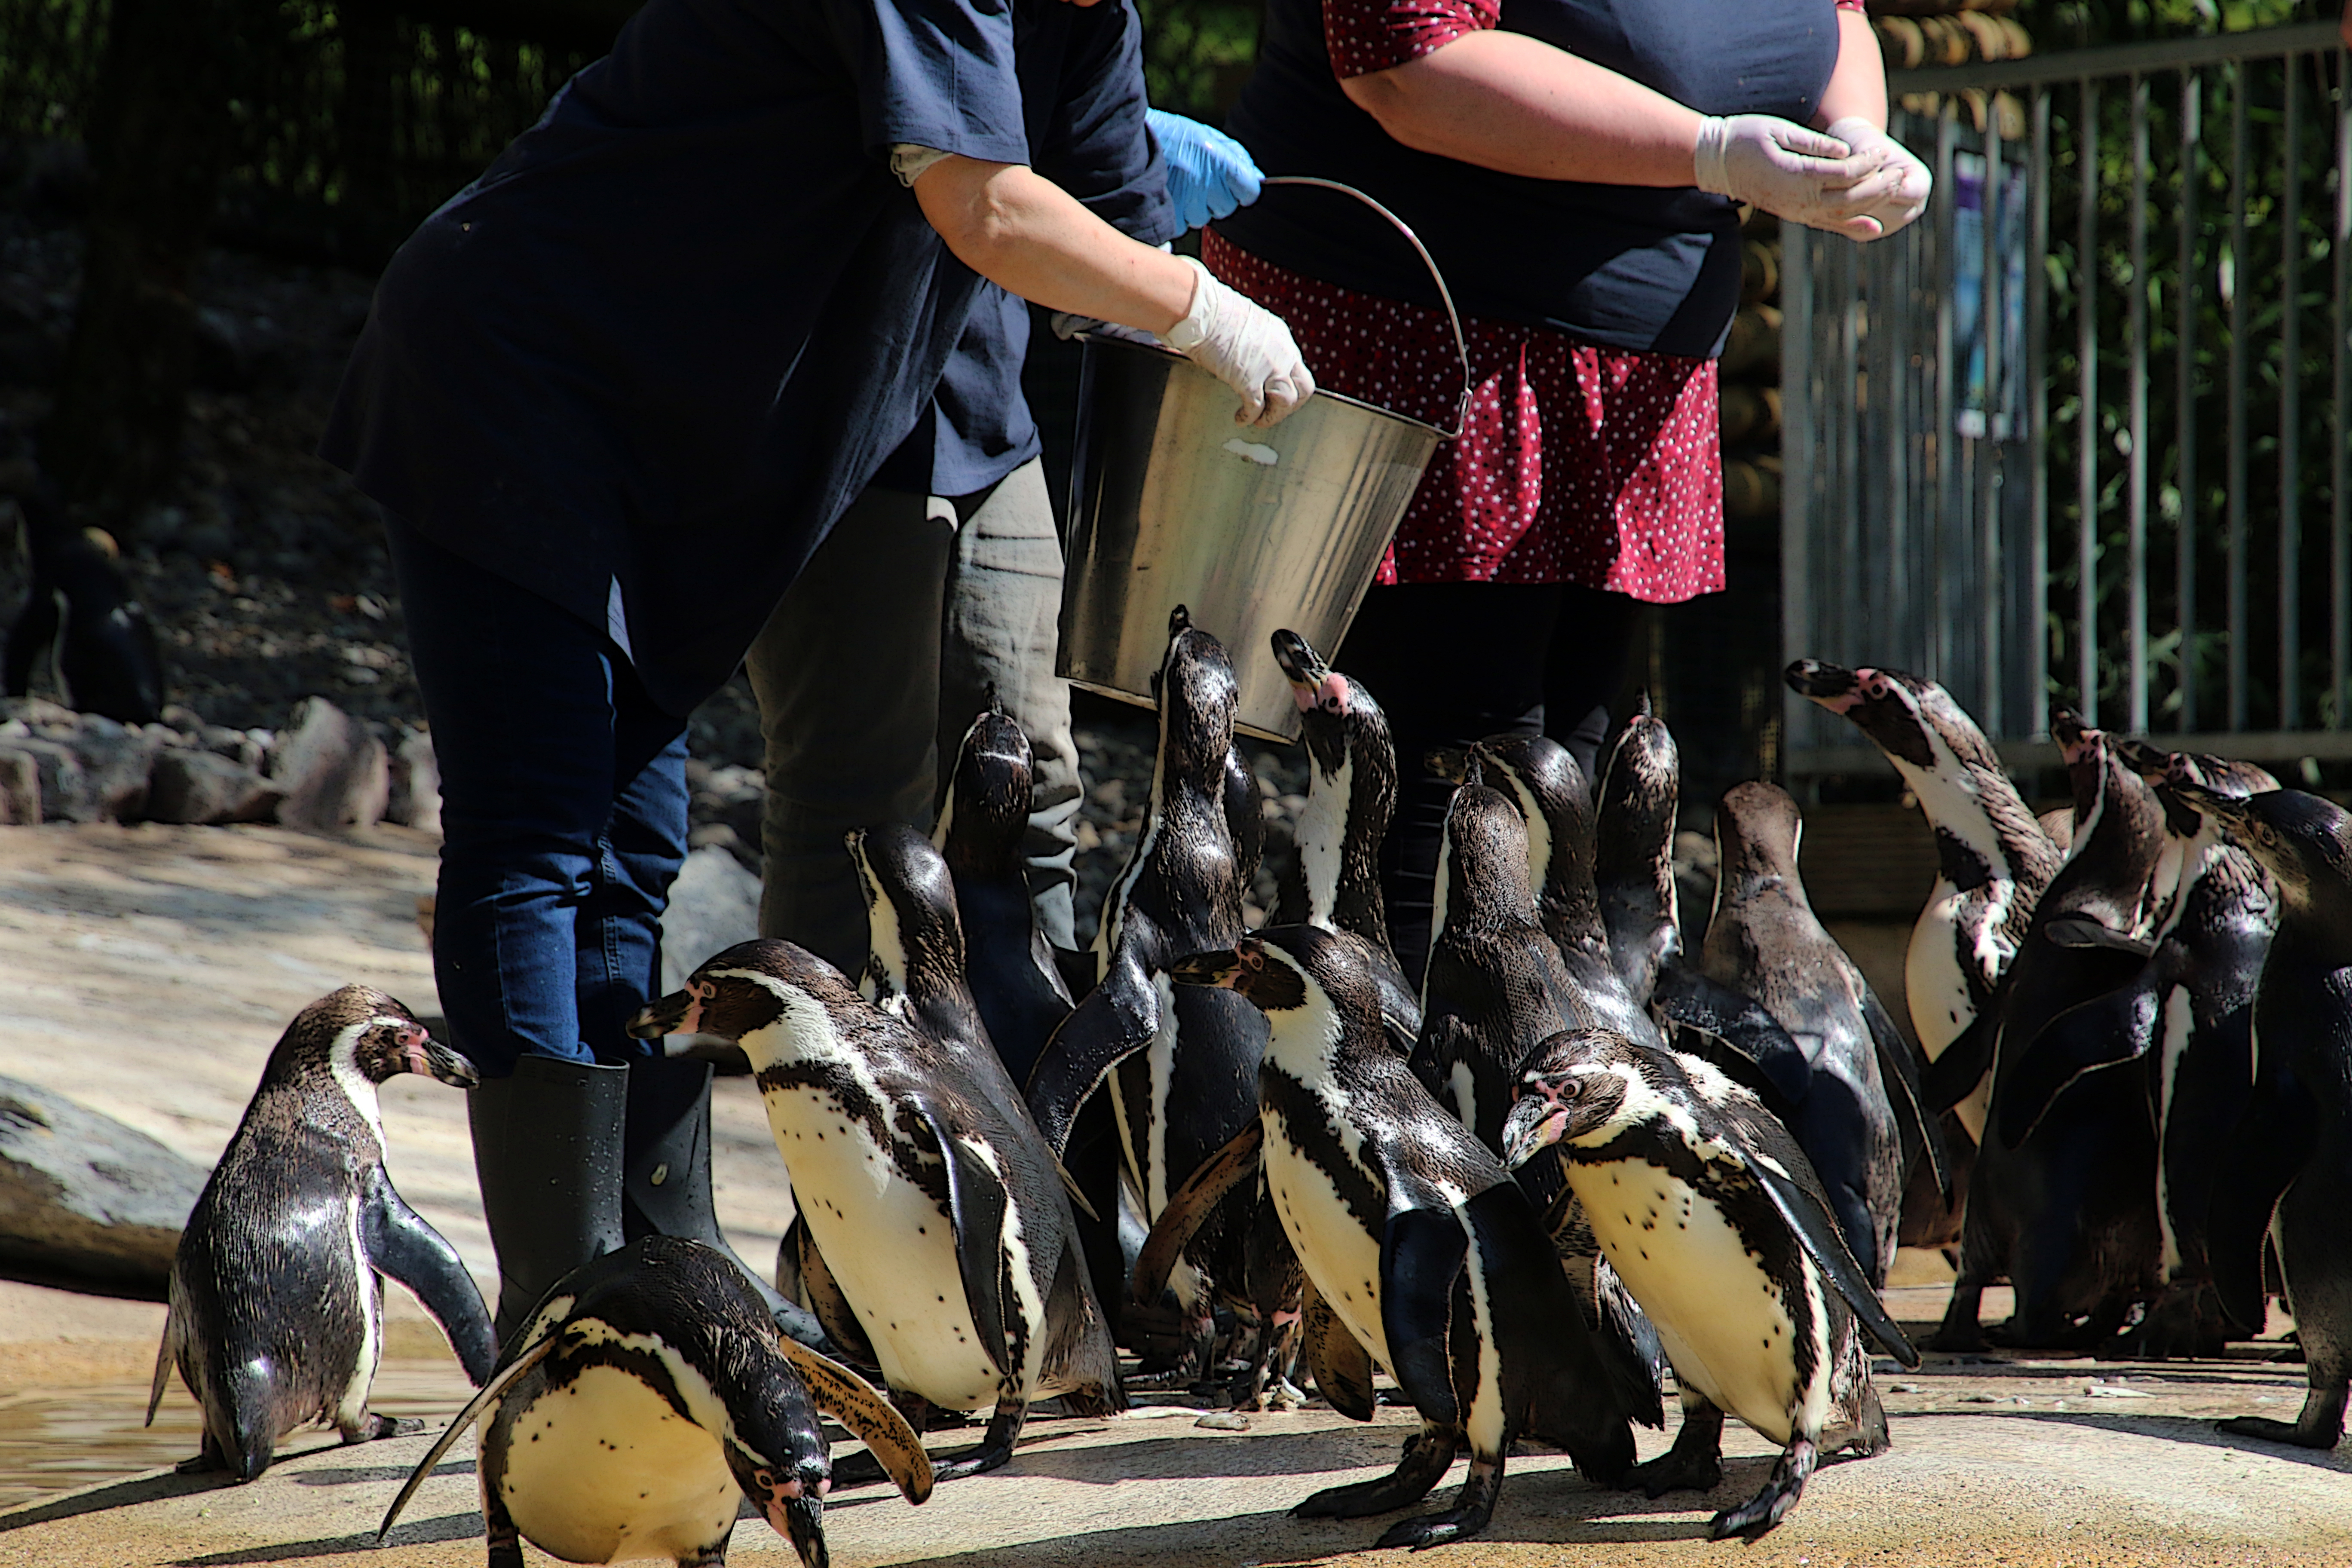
647 1395
79 606
2287 1178
1858 1117
1188 1088
2188 1019
937 1209
1717 1223
277 1288
2068 1215
1422 1252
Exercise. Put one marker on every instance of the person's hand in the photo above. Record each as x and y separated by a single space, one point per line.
1246 346
1209 173
1908 199
1801 175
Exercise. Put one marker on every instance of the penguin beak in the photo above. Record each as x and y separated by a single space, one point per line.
1312 684
447 1065
1222 969
1834 689
801 1522
1535 1124
680 1012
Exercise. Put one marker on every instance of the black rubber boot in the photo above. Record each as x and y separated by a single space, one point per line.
666 1184
547 1150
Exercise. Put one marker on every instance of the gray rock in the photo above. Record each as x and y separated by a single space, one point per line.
84 1197
20 789
415 784
714 904
335 774
115 762
198 786
65 794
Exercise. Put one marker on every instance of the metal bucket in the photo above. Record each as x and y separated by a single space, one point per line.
1253 530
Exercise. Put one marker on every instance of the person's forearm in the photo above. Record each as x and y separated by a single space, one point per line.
1508 101
1858 83
1021 231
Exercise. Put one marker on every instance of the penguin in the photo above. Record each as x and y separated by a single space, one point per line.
1187 1090
277 1288
2287 1182
1632 861
109 660
1859 1116
1421 1250
2188 1017
1717 1223
937 1208
1014 980
2068 1214
648 1394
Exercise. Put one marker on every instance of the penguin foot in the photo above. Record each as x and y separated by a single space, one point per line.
1281 1394
1676 1472
1427 1453
1467 1518
196 1465
374 1427
2292 1433
1753 1519
993 1450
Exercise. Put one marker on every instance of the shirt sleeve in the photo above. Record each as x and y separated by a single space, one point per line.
1095 145
937 74
1366 35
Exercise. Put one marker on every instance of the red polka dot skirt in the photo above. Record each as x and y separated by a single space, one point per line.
1578 463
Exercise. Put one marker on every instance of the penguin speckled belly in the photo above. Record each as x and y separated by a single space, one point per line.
1425 1255
982 824
1859 1118
1711 1216
277 1315
1181 1061
2069 1215
2187 1018
939 1217
647 1397
2288 1180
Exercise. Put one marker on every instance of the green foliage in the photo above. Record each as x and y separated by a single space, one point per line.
1197 53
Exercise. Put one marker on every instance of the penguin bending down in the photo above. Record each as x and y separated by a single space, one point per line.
936 1208
1859 1115
1424 1255
1760 1307
2288 1180
277 1288
2188 1020
1181 1061
80 608
648 1394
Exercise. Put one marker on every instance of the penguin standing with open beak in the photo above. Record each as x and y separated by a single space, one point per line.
277 1288
1711 1216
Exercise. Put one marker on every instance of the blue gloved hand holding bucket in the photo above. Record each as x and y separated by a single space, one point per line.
1209 173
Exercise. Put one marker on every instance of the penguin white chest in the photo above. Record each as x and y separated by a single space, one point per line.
1941 1004
1339 1253
603 1470
890 1248
1719 1316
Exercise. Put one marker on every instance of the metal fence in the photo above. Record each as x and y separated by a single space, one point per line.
2078 437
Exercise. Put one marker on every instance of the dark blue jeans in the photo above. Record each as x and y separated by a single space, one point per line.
562 814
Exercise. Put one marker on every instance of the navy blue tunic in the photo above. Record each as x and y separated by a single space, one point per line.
1633 267
678 325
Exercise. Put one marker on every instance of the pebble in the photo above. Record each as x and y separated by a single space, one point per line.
2109 1391
1224 1421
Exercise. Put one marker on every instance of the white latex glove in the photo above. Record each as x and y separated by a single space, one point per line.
1908 199
1246 346
1791 173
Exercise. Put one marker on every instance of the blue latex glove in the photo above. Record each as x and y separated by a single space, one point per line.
1209 173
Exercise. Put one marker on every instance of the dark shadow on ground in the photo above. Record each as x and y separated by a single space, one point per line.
423 1531
151 1488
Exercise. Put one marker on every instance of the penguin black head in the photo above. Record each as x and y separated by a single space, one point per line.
987 811
2304 841
2223 776
1576 1084
1642 782
1340 721
915 937
1198 701
743 989
1284 968
1539 770
1757 830
1483 879
1897 711
361 1032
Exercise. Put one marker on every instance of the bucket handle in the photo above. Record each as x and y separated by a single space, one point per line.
1445 295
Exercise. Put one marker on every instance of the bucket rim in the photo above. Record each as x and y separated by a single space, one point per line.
1107 340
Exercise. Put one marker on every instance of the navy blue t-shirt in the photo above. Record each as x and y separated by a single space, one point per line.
1631 267
676 326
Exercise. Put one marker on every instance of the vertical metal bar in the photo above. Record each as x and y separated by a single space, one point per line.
1990 320
2290 436
1797 500
1854 506
2135 472
1946 426
2037 378
2339 456
2235 473
2086 419
2193 99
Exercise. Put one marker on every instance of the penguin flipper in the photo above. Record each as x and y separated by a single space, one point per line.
500 1381
1952 1077
1342 1368
1190 1206
1630 1348
2274 1138
2081 931
162 1362
400 1243
1774 1163
977 1203
1118 1019
866 1415
1899 1065
1422 1253
1717 1011
833 1310
2105 1031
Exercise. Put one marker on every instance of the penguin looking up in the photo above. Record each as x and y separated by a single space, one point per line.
2288 1180
277 1288
1859 1118
982 824
1424 1253
1761 1308
647 1397
1632 861
938 1214
79 605
2186 1019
